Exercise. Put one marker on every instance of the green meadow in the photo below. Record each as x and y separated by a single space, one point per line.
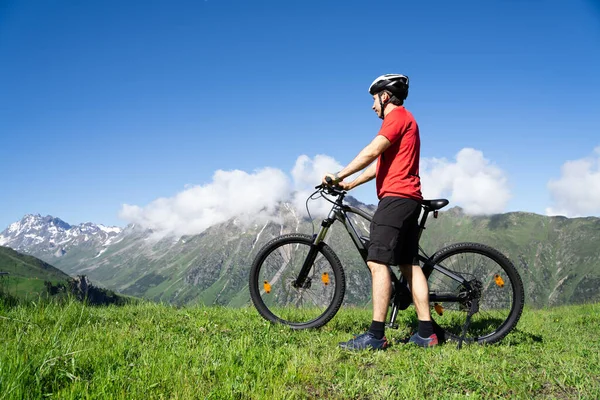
154 351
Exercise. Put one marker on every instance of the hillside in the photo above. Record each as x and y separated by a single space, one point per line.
29 278
26 275
29 267
557 257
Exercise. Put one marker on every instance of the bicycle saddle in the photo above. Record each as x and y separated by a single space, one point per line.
435 204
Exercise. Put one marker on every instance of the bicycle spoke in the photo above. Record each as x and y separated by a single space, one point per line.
488 286
311 298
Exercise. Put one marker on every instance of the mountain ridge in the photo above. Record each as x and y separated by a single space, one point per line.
38 235
557 257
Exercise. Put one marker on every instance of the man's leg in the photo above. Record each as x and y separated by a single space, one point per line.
381 248
419 289
420 293
381 290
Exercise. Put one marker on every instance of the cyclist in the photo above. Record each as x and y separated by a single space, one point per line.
394 228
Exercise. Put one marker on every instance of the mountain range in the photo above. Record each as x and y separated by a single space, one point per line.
557 257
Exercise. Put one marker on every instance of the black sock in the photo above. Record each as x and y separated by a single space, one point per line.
377 329
425 329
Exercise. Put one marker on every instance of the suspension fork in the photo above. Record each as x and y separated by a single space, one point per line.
301 280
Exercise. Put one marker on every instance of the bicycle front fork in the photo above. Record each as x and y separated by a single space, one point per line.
301 281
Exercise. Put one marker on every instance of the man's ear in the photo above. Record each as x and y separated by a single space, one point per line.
385 96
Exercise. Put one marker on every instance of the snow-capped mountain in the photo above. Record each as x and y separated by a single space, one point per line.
48 235
558 257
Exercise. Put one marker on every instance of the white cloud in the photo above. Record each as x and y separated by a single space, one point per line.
249 197
231 194
577 192
471 182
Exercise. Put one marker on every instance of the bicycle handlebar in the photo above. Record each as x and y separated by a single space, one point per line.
330 187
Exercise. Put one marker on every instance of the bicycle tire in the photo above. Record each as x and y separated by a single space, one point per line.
281 291
501 302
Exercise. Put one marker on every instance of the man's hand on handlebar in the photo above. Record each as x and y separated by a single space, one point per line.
334 181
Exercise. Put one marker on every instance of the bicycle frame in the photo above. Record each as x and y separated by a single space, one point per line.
339 212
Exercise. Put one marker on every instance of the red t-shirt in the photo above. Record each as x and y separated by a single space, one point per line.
398 165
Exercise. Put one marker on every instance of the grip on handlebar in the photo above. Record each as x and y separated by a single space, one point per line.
329 185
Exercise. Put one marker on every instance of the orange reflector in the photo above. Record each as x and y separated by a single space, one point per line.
499 280
267 287
325 278
438 309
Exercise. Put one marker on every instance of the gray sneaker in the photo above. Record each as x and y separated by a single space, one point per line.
365 341
424 342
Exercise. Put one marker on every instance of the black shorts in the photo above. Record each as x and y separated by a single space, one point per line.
394 237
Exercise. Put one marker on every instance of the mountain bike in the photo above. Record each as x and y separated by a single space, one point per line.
475 292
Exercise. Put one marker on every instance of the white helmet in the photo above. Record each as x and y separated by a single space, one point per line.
397 84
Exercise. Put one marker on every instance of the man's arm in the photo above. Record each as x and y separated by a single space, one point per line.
363 159
366 176
366 156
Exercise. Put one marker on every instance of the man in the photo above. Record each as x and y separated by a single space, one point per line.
394 229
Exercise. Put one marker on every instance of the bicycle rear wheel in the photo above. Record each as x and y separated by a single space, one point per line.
495 285
273 283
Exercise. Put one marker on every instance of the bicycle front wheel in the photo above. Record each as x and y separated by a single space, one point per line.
495 286
277 296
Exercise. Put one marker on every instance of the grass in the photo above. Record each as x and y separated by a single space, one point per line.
152 351
27 289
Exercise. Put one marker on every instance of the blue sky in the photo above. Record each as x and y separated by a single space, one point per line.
110 103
